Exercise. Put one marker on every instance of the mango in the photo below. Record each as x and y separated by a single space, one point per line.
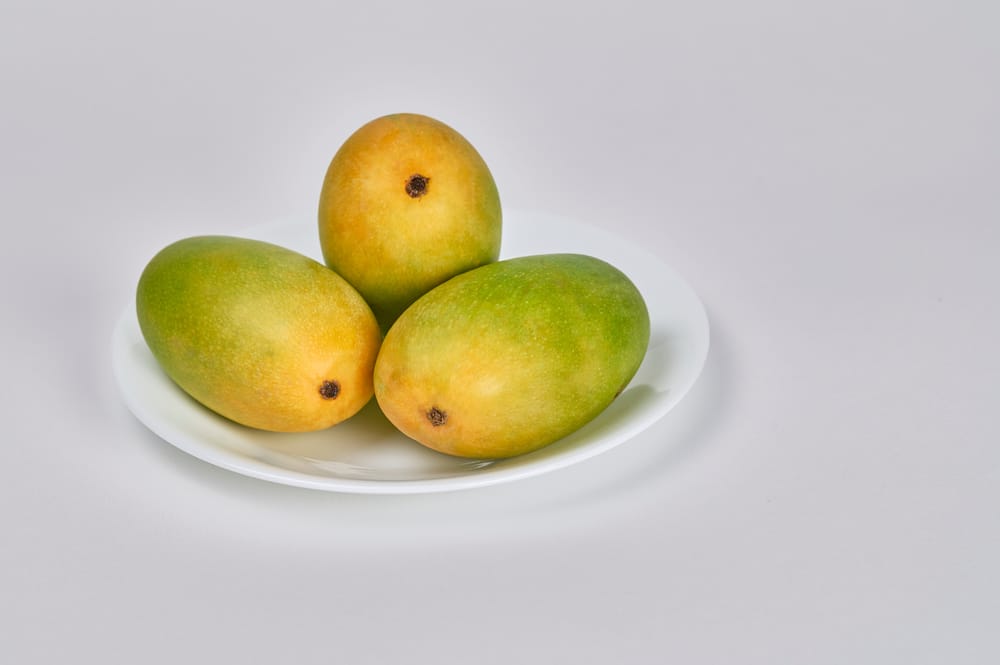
407 202
512 356
258 333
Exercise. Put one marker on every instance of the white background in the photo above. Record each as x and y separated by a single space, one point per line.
825 175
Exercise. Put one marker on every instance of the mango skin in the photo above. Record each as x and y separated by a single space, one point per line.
393 245
258 333
512 356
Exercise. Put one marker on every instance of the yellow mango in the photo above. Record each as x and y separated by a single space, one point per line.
407 202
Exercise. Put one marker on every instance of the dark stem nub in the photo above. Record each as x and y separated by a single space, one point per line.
329 389
437 417
416 185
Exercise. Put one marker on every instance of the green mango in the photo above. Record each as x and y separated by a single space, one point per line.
258 333
512 356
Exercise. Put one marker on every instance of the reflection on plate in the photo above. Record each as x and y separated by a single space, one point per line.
366 454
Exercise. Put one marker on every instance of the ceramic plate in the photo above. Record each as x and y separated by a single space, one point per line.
366 453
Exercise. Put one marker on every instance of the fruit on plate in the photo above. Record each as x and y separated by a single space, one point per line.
509 357
258 333
407 202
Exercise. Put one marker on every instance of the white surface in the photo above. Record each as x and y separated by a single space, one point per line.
824 175
367 454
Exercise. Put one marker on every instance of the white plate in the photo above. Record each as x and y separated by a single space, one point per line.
366 453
